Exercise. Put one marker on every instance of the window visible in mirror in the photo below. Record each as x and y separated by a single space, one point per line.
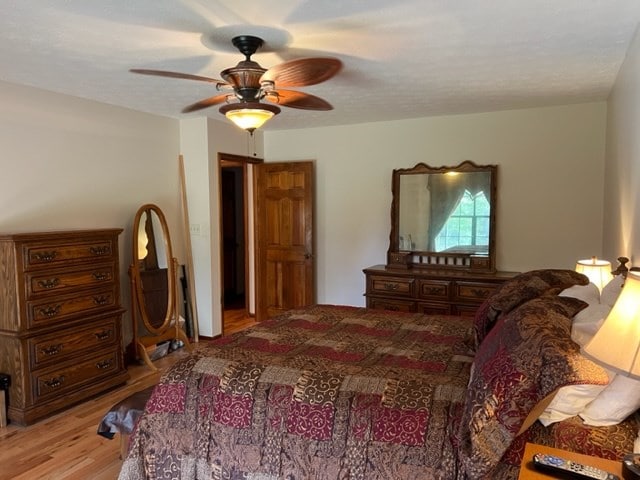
467 228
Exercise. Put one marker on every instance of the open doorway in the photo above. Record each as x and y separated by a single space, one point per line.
234 264
233 237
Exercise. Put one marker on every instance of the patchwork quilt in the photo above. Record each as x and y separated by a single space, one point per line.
325 392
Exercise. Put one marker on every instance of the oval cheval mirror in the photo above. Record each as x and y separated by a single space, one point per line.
153 282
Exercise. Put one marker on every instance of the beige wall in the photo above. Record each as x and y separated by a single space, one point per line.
622 191
550 187
68 163
202 139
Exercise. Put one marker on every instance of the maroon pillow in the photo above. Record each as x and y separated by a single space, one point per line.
525 357
530 285
481 323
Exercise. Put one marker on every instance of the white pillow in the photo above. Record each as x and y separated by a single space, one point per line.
587 293
587 322
612 290
569 402
615 403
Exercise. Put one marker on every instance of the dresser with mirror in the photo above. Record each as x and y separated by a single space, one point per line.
442 245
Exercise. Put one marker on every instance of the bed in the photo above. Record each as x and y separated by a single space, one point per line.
337 392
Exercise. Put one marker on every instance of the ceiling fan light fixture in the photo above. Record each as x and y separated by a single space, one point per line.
249 115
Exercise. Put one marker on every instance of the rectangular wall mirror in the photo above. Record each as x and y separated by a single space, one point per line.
443 217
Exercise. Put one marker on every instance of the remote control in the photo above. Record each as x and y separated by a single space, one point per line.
568 469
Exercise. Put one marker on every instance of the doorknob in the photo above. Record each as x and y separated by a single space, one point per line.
307 256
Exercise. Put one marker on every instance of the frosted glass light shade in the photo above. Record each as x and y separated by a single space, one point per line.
616 345
249 115
598 271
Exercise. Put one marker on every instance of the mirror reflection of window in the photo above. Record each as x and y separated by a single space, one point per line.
467 228
449 205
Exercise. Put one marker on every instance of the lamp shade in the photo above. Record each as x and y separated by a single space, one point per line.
249 115
598 271
616 345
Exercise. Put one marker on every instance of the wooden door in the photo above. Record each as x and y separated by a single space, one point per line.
285 273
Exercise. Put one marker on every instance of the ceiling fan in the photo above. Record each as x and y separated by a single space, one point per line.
247 86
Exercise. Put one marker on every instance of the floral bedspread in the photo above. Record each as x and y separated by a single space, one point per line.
325 392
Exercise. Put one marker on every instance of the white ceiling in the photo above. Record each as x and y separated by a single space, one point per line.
402 58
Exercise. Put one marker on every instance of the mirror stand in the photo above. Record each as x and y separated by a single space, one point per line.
153 285
172 332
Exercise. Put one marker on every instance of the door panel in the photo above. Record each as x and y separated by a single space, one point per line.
285 276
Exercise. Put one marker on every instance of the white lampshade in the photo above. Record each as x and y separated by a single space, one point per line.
598 271
249 115
616 345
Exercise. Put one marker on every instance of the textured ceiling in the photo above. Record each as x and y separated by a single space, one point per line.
402 58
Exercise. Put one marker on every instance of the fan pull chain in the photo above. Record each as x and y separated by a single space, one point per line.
251 145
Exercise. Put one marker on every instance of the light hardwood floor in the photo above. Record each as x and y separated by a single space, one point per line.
66 446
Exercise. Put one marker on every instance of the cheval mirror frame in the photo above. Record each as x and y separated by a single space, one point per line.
416 193
153 284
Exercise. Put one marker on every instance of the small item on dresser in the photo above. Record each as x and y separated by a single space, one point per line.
569 469
631 466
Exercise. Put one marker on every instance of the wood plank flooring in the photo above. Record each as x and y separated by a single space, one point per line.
66 446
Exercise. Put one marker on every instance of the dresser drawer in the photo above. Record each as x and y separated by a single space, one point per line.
53 311
396 285
434 308
53 254
69 377
434 289
465 310
473 291
391 304
61 281
58 347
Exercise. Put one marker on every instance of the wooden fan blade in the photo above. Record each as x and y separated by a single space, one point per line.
293 99
207 102
302 72
187 76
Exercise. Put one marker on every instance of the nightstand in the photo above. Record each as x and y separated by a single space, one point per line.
528 472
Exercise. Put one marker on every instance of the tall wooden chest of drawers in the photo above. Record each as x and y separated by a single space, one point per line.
445 292
60 319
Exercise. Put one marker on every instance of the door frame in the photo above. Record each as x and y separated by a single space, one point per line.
231 160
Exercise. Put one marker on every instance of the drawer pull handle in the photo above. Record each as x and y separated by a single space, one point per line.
54 382
49 283
100 276
104 364
103 335
393 308
99 251
434 290
391 286
101 300
45 256
480 292
50 310
51 350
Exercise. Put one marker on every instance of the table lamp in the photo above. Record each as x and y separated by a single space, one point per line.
598 271
616 346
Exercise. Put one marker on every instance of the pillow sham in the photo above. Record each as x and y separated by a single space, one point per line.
569 402
588 293
481 323
615 403
573 399
532 284
525 357
587 322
